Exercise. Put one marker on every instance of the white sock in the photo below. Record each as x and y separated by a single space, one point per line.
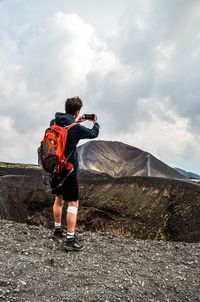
57 225
70 235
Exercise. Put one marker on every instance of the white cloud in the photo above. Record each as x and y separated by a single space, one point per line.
54 65
139 73
10 84
15 147
20 29
59 59
165 134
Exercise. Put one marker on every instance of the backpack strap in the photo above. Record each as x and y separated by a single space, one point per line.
71 125
68 127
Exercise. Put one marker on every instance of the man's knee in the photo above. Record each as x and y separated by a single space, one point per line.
73 203
72 207
59 200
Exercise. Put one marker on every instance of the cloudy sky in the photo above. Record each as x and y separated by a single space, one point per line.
135 63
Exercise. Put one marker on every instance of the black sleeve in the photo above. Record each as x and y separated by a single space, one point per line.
52 122
88 133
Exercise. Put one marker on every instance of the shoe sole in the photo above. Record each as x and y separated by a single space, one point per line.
58 239
57 236
70 249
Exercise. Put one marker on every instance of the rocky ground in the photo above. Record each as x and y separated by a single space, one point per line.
35 268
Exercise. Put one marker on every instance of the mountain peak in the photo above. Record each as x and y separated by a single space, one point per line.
119 159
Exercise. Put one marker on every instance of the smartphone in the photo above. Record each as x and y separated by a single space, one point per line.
89 116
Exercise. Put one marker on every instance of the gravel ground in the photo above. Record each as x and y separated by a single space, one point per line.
35 268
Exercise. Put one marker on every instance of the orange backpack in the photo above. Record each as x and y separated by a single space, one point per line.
51 153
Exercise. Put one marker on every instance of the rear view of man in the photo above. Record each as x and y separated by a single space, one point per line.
66 187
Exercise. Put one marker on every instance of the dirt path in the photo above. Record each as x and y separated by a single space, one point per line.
34 268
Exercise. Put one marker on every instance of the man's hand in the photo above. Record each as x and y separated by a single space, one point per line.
80 119
95 120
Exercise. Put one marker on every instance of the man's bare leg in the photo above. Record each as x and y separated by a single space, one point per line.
71 216
57 209
57 215
72 244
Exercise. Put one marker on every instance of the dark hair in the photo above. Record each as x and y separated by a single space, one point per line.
73 104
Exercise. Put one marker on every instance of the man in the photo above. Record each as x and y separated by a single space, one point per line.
68 191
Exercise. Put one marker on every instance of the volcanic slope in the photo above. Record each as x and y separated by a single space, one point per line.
118 159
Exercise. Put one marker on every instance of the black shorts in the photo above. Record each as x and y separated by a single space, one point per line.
68 189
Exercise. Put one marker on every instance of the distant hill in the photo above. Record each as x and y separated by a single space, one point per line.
118 159
189 175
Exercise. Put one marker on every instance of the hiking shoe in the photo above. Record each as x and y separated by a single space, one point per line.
58 232
73 244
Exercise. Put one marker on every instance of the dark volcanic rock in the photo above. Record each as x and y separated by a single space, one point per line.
34 268
136 207
21 196
142 207
19 169
118 159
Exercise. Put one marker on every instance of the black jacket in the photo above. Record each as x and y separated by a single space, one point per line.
75 134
